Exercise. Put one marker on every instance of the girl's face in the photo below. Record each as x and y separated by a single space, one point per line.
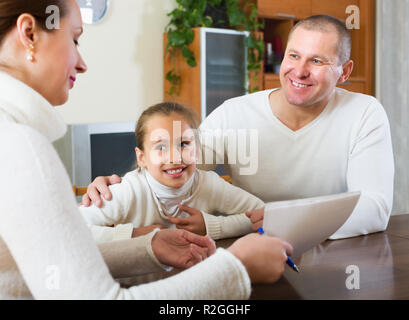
170 150
57 60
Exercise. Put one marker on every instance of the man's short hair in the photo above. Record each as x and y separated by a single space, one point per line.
326 23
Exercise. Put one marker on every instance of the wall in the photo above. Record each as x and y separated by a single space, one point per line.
124 54
393 88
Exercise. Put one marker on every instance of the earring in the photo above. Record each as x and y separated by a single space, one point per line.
30 53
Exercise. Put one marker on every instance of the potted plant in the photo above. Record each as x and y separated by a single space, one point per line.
212 13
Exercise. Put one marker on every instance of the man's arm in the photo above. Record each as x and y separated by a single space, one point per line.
371 171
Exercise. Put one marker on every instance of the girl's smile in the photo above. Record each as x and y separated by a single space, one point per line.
175 172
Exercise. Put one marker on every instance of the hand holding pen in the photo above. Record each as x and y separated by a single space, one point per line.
289 261
262 257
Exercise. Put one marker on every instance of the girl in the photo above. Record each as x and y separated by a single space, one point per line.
167 185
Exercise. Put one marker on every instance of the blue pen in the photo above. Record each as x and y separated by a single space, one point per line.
289 261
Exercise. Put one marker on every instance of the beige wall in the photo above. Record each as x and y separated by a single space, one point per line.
125 63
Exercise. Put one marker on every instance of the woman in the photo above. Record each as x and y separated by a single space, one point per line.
46 250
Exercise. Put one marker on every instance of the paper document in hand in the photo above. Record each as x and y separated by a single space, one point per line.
305 223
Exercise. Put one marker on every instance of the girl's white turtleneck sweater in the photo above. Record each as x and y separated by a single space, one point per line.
47 250
169 197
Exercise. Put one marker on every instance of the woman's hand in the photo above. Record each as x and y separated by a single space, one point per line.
264 257
180 248
96 188
256 217
195 223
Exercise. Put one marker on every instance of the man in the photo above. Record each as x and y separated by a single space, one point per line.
313 138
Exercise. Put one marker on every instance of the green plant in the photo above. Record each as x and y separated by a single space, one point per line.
191 13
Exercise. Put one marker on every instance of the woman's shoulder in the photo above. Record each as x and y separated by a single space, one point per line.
19 138
16 130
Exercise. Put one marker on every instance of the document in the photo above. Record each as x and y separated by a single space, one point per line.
305 223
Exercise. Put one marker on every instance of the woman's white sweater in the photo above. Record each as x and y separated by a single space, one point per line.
46 248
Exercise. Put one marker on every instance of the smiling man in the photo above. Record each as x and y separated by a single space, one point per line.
316 59
314 139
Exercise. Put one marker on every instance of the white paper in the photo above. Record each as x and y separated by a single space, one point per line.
305 223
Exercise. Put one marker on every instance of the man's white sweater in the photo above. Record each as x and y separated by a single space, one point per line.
47 250
346 148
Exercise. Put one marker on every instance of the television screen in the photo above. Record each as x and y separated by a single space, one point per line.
112 153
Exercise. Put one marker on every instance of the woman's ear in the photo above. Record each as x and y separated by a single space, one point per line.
26 33
26 29
140 158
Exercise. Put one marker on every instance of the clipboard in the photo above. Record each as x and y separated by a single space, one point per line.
305 223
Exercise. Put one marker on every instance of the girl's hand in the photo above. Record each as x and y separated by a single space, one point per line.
137 232
195 223
256 217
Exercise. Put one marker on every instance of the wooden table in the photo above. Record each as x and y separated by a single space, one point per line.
382 260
